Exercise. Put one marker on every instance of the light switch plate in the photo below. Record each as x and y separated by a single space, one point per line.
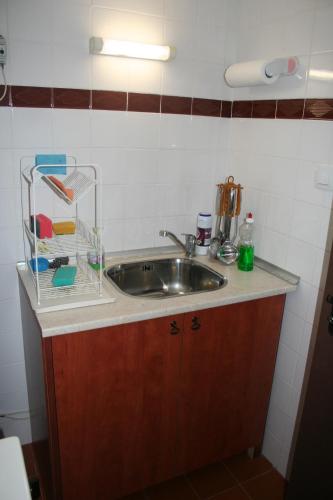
324 177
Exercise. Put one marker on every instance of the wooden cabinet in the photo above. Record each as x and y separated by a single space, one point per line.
137 404
226 378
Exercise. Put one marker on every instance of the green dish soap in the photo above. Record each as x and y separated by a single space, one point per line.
245 246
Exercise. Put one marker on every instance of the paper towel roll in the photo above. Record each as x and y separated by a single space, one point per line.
248 74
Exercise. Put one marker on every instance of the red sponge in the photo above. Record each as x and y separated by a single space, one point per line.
45 226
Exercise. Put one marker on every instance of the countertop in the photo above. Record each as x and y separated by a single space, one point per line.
241 287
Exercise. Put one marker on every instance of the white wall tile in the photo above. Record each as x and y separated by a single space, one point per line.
286 363
71 66
12 377
5 128
316 141
7 171
11 216
306 189
152 7
27 136
322 33
310 223
113 202
29 21
12 348
301 259
63 27
320 75
179 9
145 76
29 63
142 130
292 330
11 318
176 131
71 128
3 18
14 401
109 128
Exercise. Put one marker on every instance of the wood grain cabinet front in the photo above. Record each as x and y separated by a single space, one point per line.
139 403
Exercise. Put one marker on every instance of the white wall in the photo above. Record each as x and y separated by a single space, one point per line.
276 161
158 170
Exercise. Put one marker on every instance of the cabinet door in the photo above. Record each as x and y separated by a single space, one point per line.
198 380
248 341
226 376
115 391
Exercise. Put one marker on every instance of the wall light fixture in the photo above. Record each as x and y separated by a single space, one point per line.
107 46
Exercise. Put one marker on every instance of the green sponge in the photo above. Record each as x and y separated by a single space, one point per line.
64 276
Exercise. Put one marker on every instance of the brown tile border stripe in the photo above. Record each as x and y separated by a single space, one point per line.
47 97
264 109
149 103
109 100
290 108
32 97
318 109
206 107
176 105
71 98
242 109
226 110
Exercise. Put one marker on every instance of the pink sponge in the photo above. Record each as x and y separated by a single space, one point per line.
45 226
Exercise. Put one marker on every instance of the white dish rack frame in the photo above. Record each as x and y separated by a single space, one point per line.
88 286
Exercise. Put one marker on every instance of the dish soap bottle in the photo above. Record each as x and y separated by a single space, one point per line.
246 247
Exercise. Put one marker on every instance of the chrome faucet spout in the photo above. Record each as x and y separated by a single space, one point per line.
190 241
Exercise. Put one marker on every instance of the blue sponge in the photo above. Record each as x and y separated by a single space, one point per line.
52 159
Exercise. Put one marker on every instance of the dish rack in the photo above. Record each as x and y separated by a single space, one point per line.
41 193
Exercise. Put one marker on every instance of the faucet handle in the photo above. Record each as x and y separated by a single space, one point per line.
189 238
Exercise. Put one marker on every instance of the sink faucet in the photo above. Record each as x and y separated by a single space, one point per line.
190 241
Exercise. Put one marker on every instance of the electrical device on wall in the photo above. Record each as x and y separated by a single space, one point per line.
261 72
137 50
3 58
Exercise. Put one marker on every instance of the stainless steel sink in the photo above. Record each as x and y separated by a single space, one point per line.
160 279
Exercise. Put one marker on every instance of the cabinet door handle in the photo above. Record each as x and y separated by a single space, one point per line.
174 328
196 325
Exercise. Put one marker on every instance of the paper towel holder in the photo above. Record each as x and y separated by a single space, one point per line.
260 72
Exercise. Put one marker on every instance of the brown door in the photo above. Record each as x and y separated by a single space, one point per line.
116 400
311 470
226 376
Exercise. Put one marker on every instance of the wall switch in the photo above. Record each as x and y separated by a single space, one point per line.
324 177
3 50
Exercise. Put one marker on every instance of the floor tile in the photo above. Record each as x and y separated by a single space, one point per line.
269 486
29 460
211 480
233 494
135 496
175 489
245 468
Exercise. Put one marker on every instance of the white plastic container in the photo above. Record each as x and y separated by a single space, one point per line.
204 233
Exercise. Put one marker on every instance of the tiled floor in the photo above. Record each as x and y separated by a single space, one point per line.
238 478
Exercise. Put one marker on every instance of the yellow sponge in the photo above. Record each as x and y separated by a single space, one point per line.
66 227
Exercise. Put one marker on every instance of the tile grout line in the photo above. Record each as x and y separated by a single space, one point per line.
189 482
239 484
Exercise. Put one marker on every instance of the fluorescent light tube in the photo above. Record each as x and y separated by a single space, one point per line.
119 48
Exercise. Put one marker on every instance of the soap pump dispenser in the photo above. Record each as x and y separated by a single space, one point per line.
246 246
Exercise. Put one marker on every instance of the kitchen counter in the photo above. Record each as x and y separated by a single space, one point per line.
241 287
